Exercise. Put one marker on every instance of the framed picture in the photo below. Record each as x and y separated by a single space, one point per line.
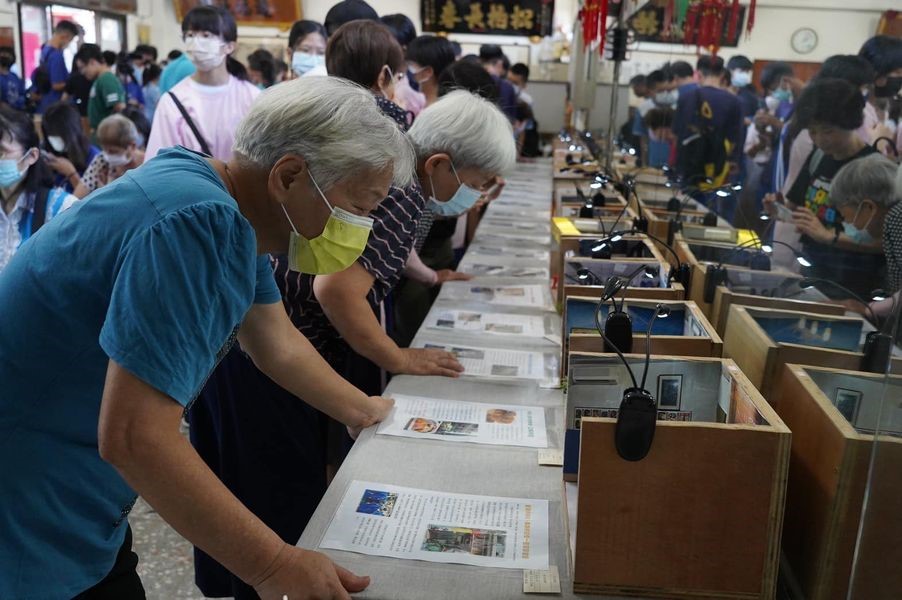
261 13
670 391
848 401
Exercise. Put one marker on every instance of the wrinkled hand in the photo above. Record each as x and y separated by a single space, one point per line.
61 165
375 411
806 222
306 575
444 275
429 361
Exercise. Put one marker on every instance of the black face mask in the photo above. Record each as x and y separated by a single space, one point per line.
892 87
6 61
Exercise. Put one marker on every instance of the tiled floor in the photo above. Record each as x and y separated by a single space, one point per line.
165 561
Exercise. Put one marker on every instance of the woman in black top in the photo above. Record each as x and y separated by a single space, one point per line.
831 110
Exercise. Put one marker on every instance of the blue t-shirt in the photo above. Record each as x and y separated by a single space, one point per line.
658 151
53 59
155 271
12 90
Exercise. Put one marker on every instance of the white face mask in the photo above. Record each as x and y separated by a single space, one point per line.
772 104
57 143
667 98
116 160
740 79
205 53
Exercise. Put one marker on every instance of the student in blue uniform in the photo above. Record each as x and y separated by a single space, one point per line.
12 88
118 309
49 78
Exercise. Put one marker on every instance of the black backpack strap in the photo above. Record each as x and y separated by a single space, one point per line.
205 148
39 211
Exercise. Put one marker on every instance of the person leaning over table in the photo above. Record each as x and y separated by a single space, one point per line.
156 272
867 194
243 419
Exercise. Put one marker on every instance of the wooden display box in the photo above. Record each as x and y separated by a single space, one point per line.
698 255
566 240
763 283
660 222
569 284
833 415
701 515
763 341
566 199
685 332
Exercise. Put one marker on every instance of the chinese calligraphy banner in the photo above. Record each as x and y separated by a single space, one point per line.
503 17
649 24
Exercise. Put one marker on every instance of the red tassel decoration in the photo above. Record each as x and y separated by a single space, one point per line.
690 27
750 22
603 24
734 20
668 17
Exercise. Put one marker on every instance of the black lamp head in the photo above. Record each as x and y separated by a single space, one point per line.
662 310
613 285
673 205
584 275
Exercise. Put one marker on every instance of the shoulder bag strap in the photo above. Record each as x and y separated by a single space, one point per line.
205 148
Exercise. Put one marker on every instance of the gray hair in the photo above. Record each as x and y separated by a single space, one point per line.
335 125
872 177
472 130
119 131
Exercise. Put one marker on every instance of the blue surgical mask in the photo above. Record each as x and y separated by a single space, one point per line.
304 62
10 174
859 236
462 200
782 95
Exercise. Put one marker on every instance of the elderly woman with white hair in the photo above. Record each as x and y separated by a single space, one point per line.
461 142
116 312
868 194
121 144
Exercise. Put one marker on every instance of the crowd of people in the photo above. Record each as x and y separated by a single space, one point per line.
210 239
759 153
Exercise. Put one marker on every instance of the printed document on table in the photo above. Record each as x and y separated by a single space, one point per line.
389 520
489 270
485 322
473 422
537 254
532 296
496 363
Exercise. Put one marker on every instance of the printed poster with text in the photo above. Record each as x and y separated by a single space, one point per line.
473 422
408 523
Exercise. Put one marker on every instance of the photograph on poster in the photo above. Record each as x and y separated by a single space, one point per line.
468 540
500 415
670 389
847 402
377 503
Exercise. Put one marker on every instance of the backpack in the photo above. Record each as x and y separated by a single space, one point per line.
40 79
703 153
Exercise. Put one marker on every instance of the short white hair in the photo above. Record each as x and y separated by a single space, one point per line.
335 125
472 130
872 177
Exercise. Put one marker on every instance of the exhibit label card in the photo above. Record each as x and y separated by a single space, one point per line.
473 422
496 363
408 523
532 296
472 321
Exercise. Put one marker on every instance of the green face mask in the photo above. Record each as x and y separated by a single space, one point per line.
335 249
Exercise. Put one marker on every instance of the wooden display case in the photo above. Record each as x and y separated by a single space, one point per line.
685 332
833 415
569 285
701 515
569 241
763 341
566 200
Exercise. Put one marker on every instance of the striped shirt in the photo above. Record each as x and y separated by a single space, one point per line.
15 227
393 236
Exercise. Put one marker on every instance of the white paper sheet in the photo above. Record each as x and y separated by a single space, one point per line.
473 321
408 523
495 363
532 296
467 422
508 251
514 238
490 270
